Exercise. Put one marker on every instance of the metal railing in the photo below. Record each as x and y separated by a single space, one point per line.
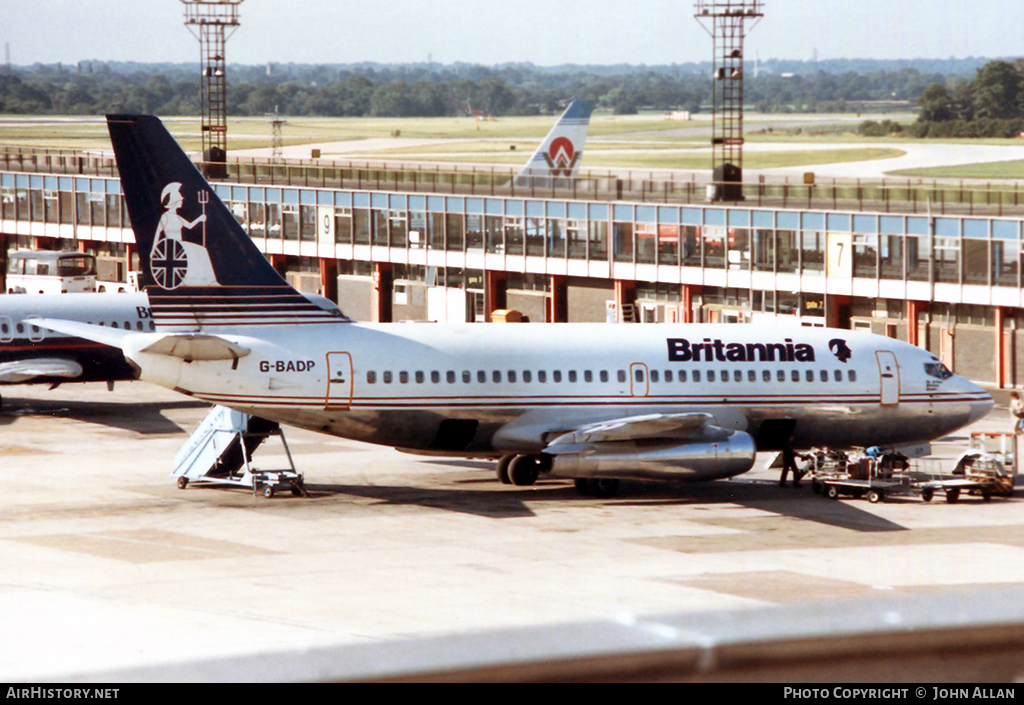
889 195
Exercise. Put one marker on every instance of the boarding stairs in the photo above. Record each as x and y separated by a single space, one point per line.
220 452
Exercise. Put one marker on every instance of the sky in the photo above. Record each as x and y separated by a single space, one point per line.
544 32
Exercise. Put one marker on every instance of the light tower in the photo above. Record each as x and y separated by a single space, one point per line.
212 22
726 22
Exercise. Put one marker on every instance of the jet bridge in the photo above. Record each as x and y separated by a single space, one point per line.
220 452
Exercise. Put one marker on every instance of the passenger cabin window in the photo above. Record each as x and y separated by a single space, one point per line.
496 377
511 376
588 376
371 377
604 375
387 377
572 376
682 375
451 377
419 377
542 377
403 377
435 377
556 376
527 376
622 375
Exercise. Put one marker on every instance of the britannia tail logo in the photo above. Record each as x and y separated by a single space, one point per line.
174 260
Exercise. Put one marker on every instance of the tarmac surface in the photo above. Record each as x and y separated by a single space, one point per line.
108 567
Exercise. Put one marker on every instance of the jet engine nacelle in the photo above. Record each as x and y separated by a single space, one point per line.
672 460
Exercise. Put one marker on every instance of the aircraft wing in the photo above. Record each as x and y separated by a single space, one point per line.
19 371
635 428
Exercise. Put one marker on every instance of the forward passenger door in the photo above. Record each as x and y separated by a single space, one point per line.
339 380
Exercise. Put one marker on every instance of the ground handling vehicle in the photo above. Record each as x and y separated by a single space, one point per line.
987 469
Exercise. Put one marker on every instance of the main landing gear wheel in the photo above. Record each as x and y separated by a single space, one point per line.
603 488
502 469
524 470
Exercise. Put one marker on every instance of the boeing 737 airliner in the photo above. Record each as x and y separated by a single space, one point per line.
595 402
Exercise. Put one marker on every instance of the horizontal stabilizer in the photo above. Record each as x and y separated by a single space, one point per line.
635 428
19 371
196 346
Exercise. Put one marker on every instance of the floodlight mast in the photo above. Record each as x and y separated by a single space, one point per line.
726 22
212 22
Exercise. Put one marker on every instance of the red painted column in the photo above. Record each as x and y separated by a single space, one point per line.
1001 366
558 311
687 292
625 295
913 311
495 292
383 289
329 279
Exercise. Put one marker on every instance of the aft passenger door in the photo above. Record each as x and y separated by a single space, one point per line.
339 380
889 373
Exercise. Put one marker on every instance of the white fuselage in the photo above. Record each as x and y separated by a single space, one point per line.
395 384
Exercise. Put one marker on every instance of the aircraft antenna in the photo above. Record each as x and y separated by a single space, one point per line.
212 22
726 22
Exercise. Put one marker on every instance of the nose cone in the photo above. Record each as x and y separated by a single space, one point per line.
981 402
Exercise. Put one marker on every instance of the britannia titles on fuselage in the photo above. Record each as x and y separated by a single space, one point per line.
682 350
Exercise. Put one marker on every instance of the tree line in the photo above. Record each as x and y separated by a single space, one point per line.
429 90
989 105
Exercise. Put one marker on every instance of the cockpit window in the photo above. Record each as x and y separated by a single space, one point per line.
937 370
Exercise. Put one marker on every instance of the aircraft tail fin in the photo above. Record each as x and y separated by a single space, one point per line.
199 267
559 155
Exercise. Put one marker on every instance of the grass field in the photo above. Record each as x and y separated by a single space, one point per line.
1013 169
638 141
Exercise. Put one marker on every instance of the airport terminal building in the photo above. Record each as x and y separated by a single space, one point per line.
949 282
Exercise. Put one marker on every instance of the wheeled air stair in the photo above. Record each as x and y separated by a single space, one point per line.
220 452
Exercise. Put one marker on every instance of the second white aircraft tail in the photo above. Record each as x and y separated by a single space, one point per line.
559 155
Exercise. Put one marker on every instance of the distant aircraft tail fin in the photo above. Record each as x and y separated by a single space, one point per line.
199 267
559 155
